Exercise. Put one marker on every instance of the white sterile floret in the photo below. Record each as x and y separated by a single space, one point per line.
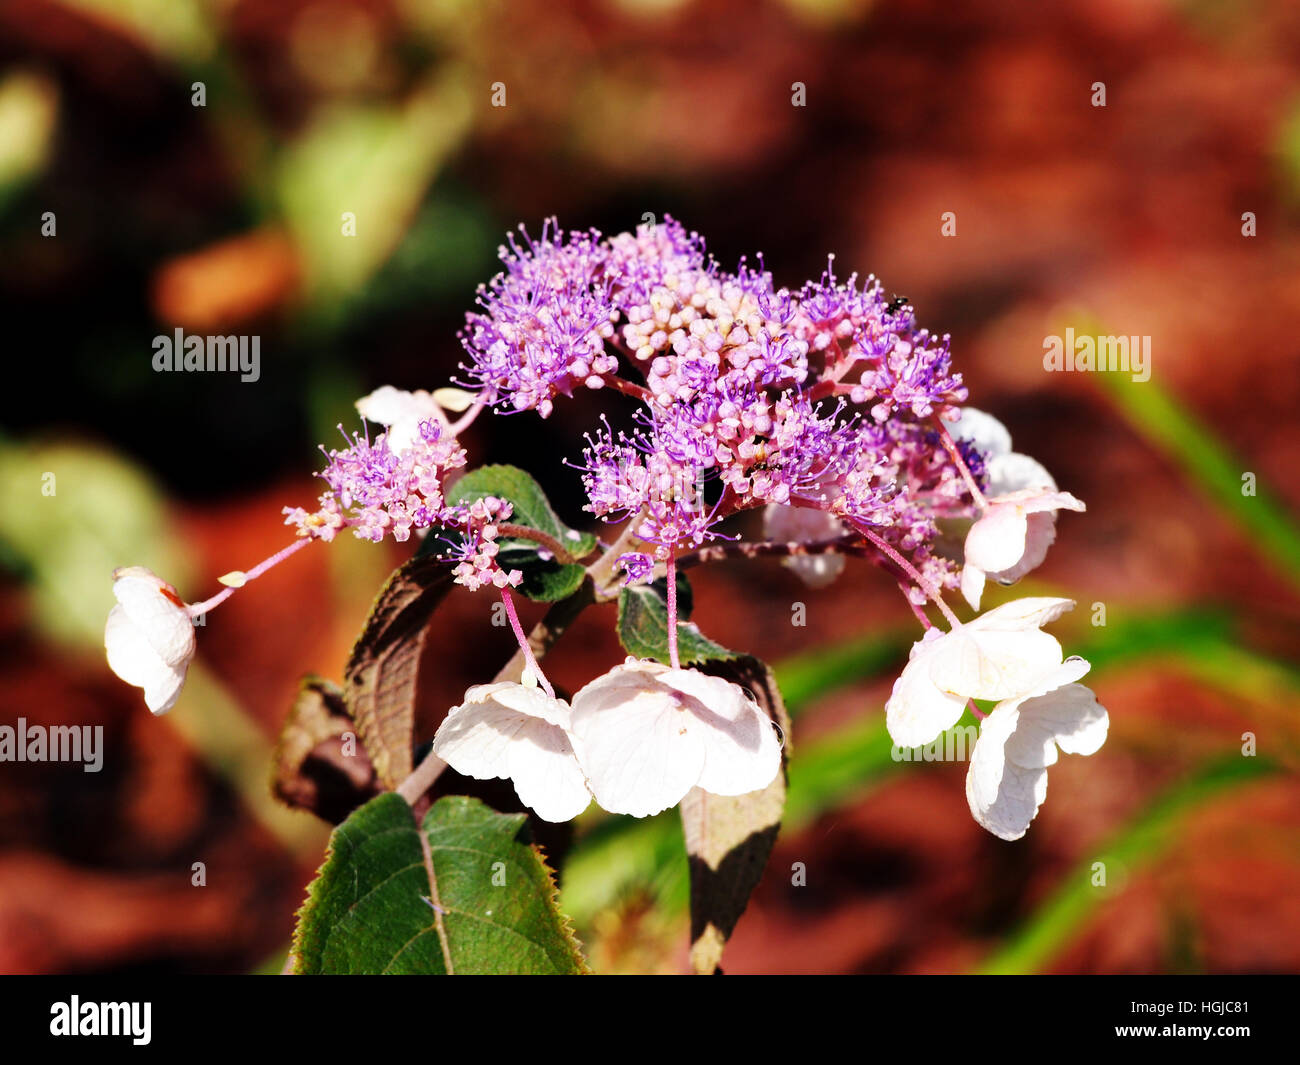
998 655
521 734
149 638
804 525
401 413
1018 523
646 734
1006 782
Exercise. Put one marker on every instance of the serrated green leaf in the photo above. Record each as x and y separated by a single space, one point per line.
643 625
729 838
545 580
465 893
379 681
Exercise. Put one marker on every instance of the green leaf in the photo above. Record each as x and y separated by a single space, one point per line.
729 838
545 579
643 625
465 893
379 682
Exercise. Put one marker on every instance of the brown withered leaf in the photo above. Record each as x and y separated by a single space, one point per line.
379 682
320 764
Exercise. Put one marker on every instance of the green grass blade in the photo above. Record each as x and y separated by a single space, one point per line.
1174 431
1140 842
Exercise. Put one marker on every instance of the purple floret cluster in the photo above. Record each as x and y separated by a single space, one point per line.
376 491
825 397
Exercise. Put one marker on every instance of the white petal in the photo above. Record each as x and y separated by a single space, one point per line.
1007 779
387 405
133 658
402 412
1040 534
1015 472
972 584
1031 612
918 710
994 664
1003 797
741 750
1035 501
149 636
453 399
516 733
637 745
161 693
983 430
156 612
997 541
129 653
803 525
1033 744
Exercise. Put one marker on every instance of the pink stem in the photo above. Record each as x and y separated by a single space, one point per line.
466 419
524 645
911 571
950 446
926 624
672 612
195 609
628 388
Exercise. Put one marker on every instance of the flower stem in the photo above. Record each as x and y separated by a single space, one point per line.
422 779
950 446
524 645
466 419
926 624
195 609
628 388
911 571
672 612
525 532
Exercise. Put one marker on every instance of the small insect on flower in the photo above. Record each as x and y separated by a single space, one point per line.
896 304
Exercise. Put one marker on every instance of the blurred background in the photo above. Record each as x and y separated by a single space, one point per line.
187 163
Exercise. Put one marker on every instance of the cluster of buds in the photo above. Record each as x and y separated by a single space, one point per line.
477 556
